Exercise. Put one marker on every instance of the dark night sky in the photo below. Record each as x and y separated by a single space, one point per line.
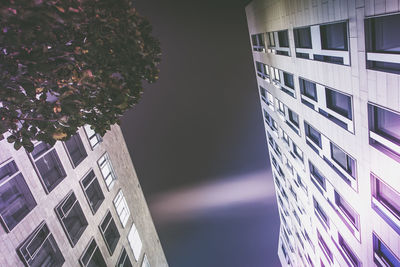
197 139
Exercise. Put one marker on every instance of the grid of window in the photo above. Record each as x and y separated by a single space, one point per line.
41 249
94 138
16 200
135 242
107 170
75 149
48 165
71 217
122 208
92 190
123 260
92 257
110 233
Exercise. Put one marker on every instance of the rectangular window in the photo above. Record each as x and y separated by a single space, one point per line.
271 39
41 249
48 164
75 149
329 59
281 107
16 200
317 175
348 211
339 103
382 34
123 260
275 74
258 42
283 38
325 248
343 159
302 37
313 134
285 137
92 256
92 190
107 170
145 262
308 89
355 262
288 78
334 36
270 99
322 214
294 118
72 218
263 94
387 196
94 138
298 152
122 208
385 123
110 233
135 242
383 255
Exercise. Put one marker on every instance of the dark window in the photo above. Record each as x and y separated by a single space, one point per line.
385 123
347 250
288 78
16 200
262 70
346 209
298 152
110 233
94 138
343 159
124 260
92 256
263 94
384 66
41 249
75 149
318 176
329 59
283 53
283 38
387 196
382 34
294 118
271 39
258 42
308 89
321 212
92 190
48 164
384 253
71 217
339 103
334 36
303 55
325 247
302 37
313 134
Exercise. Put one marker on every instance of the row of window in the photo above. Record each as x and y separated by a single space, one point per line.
325 42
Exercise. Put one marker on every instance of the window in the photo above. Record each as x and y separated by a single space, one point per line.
313 134
16 200
298 152
387 196
110 232
267 117
71 216
348 211
94 138
302 37
283 38
385 123
281 107
135 242
92 256
348 252
270 99
123 260
41 249
321 213
285 137
382 34
308 89
92 190
75 149
383 255
339 103
317 175
294 118
288 78
343 159
258 42
271 39
145 262
334 36
48 164
262 70
122 208
263 93
276 74
324 247
329 59
107 170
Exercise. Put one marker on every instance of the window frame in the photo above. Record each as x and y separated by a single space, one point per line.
92 182
377 243
119 200
107 160
123 256
339 110
375 194
349 168
110 223
280 38
86 250
90 136
323 31
134 239
81 148
308 131
352 216
305 89
296 32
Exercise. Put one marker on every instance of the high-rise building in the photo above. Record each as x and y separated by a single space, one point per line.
78 203
329 85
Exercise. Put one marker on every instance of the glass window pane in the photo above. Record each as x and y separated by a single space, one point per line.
135 242
289 82
283 38
387 123
334 36
50 169
308 89
339 103
302 37
389 197
383 34
110 232
92 256
75 149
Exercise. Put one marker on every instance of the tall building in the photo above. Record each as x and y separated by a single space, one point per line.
329 84
78 203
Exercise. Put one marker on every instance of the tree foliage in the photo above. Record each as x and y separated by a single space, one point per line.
66 63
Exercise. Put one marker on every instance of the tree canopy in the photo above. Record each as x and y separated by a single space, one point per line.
67 63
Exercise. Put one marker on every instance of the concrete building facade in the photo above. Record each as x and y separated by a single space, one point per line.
329 85
78 203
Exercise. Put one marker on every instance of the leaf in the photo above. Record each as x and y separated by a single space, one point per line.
59 135
11 139
17 145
